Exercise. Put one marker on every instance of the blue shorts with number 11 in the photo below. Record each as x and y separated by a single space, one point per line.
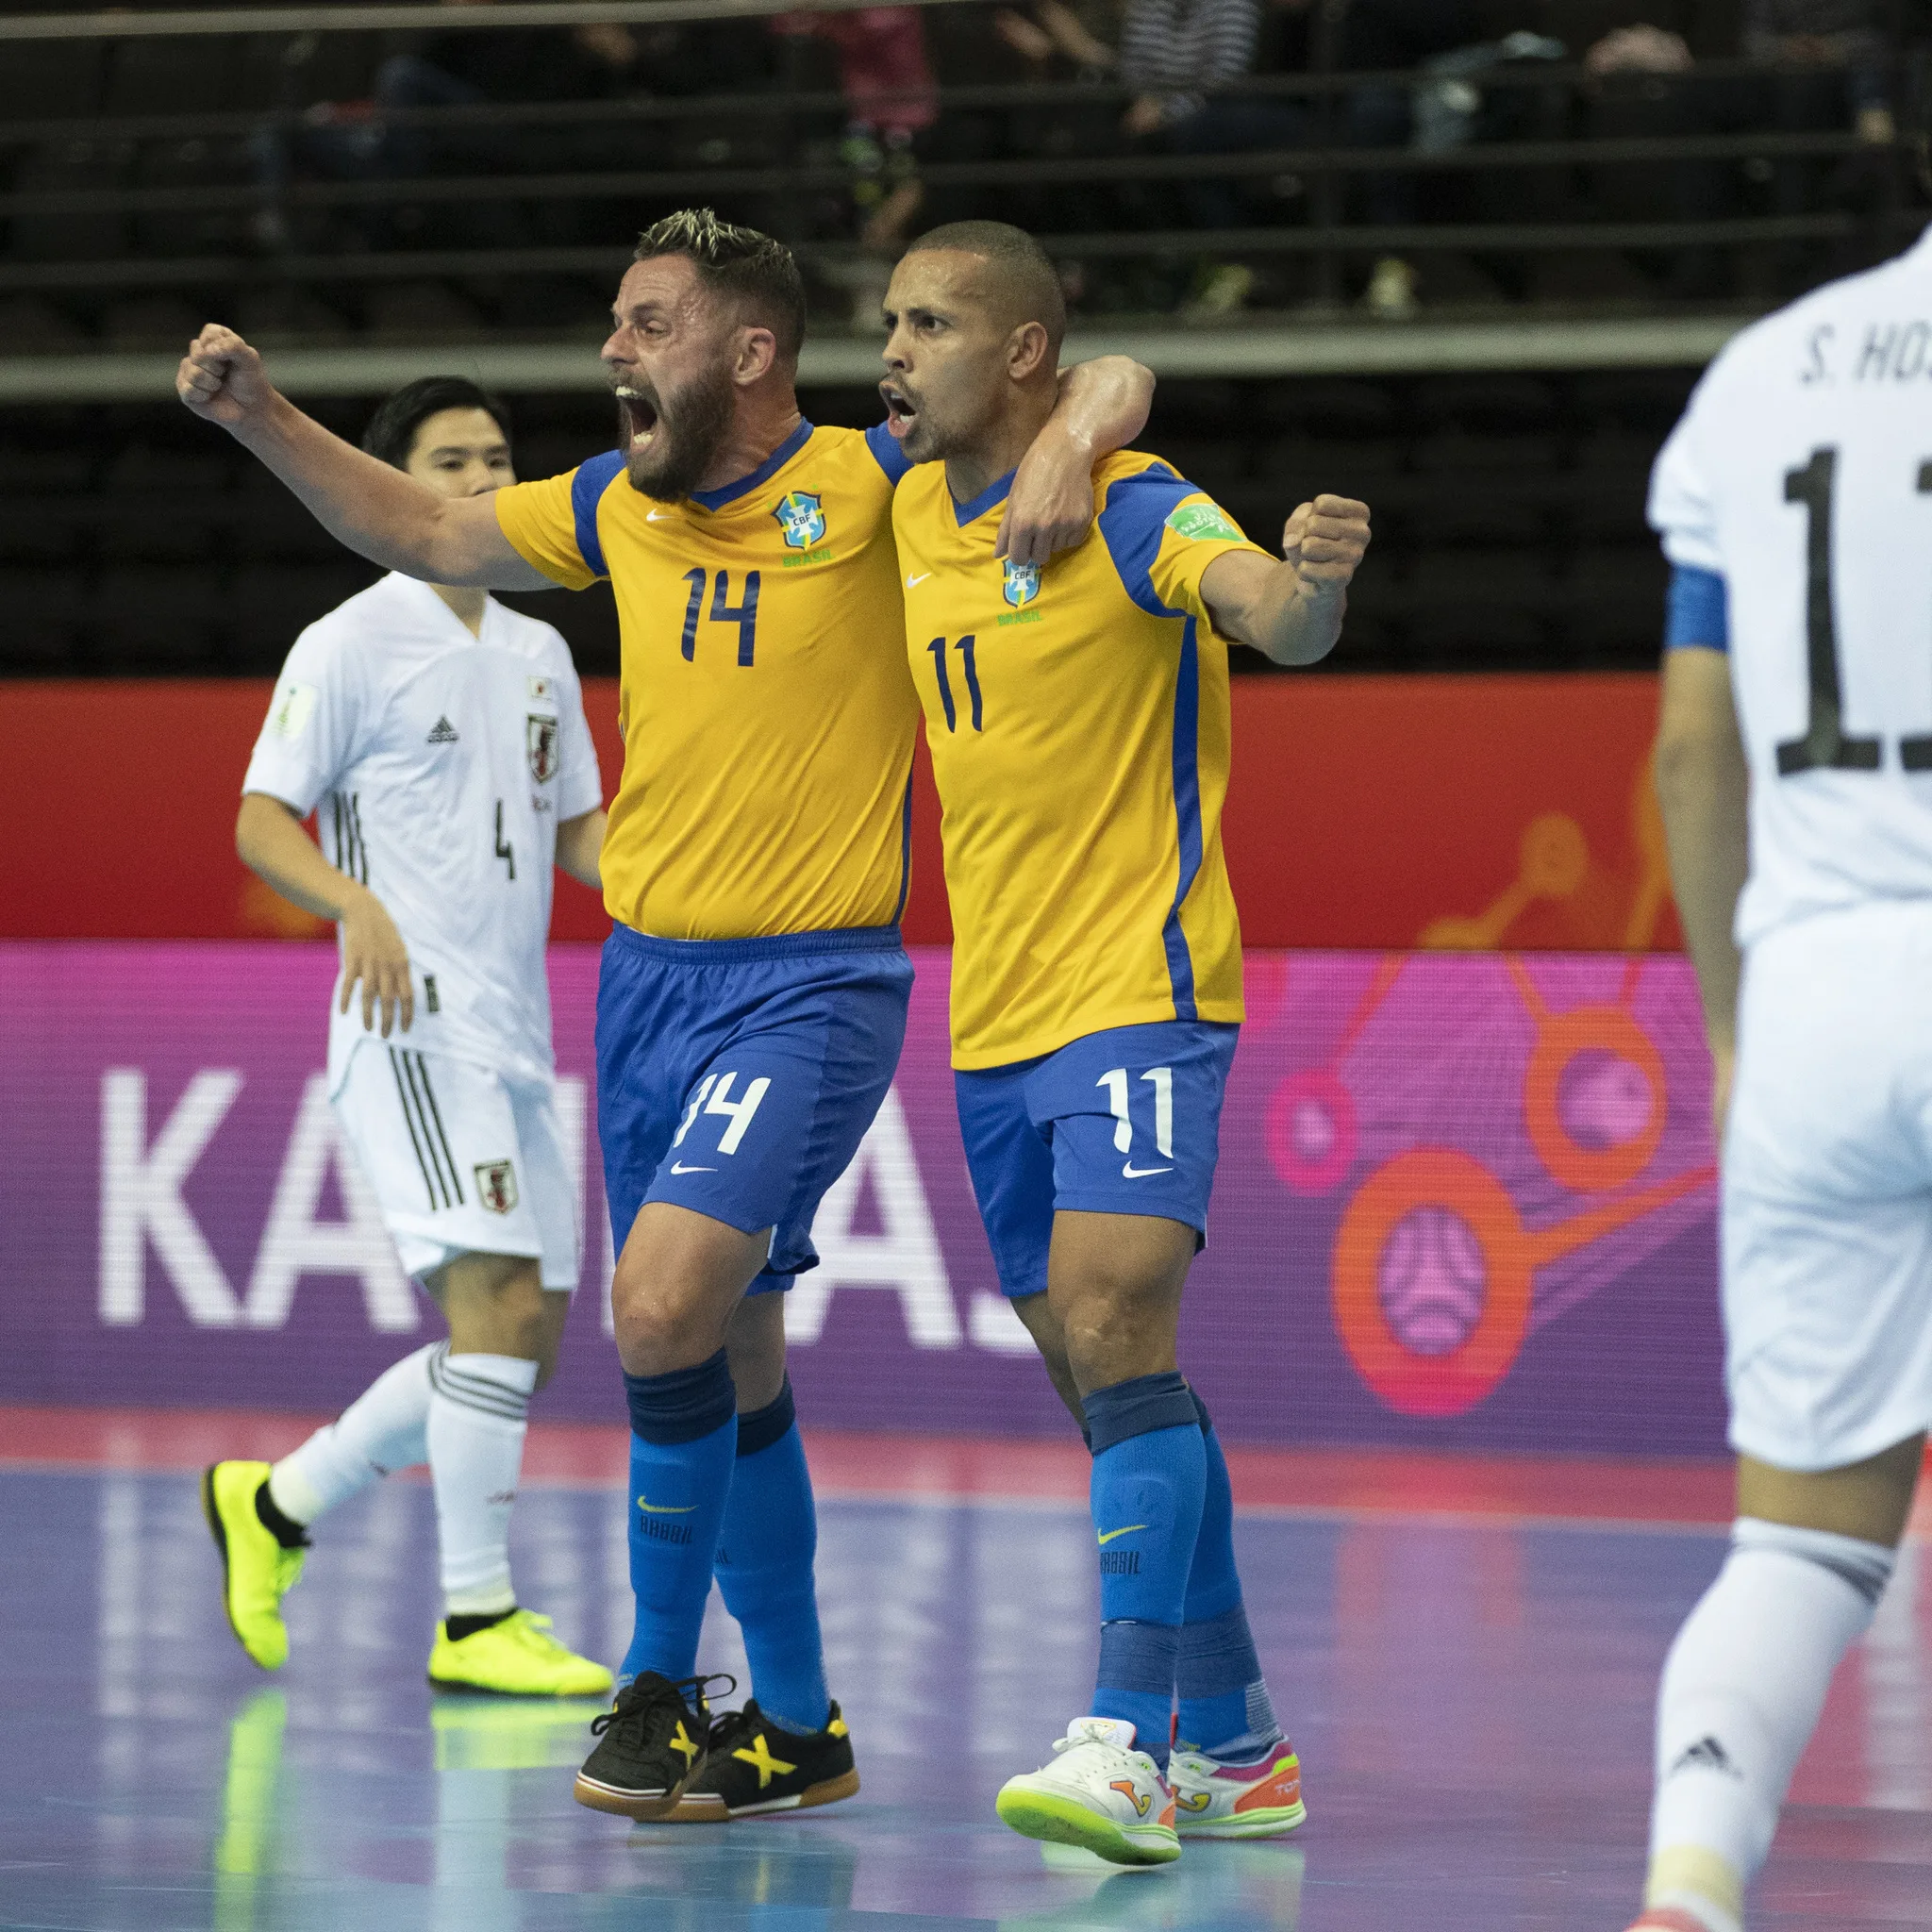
1122 1121
737 1077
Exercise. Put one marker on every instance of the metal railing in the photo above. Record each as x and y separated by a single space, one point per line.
1314 227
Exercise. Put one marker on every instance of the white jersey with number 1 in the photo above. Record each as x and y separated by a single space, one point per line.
439 766
1802 475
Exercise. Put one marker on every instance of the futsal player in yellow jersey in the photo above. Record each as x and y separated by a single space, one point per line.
1079 719
753 996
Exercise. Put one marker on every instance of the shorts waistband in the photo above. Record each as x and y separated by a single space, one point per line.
782 945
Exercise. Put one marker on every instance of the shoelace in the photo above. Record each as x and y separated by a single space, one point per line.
693 1690
728 1725
534 1628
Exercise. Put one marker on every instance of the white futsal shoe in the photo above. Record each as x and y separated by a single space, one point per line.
1217 1800
1099 1791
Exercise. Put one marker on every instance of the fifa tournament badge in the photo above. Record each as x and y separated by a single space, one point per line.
802 518
1022 585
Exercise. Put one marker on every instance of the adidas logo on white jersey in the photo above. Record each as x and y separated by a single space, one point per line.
443 732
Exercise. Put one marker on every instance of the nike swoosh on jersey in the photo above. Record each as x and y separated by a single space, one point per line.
1139 1173
910 582
1107 1535
665 1508
655 516
679 1167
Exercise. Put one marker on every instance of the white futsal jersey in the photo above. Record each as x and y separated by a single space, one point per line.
1802 476
439 765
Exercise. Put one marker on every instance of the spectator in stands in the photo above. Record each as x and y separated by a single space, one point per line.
1174 54
889 98
886 83
1640 58
1378 36
1047 42
360 141
1645 57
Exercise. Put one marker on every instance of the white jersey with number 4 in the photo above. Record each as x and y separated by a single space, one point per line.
1802 475
439 766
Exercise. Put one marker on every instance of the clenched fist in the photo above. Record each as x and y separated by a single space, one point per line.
1325 540
222 379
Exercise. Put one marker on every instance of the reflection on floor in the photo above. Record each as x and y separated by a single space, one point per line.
1471 1698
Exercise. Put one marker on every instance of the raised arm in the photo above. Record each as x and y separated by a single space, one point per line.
1103 406
1702 784
1292 612
376 511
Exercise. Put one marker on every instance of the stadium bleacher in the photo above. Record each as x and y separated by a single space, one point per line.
318 179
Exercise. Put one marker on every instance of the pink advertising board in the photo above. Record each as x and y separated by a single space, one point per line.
1464 1200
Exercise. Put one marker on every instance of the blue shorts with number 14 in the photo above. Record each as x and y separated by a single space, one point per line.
737 1077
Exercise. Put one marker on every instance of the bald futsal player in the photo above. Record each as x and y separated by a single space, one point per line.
1079 725
754 989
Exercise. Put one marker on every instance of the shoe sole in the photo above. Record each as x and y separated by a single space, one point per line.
468 1686
217 1529
1268 1825
644 1808
1067 1821
705 1807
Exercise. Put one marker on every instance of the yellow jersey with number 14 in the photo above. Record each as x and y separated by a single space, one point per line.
1079 719
766 712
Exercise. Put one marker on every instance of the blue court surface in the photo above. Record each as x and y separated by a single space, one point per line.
1471 1701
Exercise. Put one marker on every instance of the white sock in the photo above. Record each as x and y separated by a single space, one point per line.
1741 1693
380 1431
478 1411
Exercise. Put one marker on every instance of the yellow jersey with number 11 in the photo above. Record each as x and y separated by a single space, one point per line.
1079 719
766 712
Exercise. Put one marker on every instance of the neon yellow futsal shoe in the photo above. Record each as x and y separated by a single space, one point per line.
1100 1793
516 1656
257 1572
1216 1800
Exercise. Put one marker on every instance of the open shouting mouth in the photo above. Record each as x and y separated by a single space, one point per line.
902 412
639 413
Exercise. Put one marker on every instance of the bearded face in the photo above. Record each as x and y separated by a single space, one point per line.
671 436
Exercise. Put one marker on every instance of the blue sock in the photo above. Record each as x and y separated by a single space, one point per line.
683 1442
1225 1706
765 1567
1149 1474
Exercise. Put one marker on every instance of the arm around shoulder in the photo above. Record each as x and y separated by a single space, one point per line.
1102 406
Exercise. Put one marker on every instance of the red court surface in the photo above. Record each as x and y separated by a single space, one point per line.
1345 1482
1311 1482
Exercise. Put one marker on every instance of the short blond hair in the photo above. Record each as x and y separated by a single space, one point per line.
756 274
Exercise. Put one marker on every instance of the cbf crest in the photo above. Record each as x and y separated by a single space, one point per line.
1022 585
802 517
540 737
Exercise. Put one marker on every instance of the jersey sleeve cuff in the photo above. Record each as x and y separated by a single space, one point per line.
1696 612
569 575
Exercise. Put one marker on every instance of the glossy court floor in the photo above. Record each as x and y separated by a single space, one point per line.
1465 1653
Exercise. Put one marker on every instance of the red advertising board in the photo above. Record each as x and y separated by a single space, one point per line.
1511 812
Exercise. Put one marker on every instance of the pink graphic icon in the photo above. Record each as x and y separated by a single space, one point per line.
1434 1266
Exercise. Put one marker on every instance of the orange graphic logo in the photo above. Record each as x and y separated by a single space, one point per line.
1131 1792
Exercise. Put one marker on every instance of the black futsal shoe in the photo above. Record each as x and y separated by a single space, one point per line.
650 1747
756 1766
